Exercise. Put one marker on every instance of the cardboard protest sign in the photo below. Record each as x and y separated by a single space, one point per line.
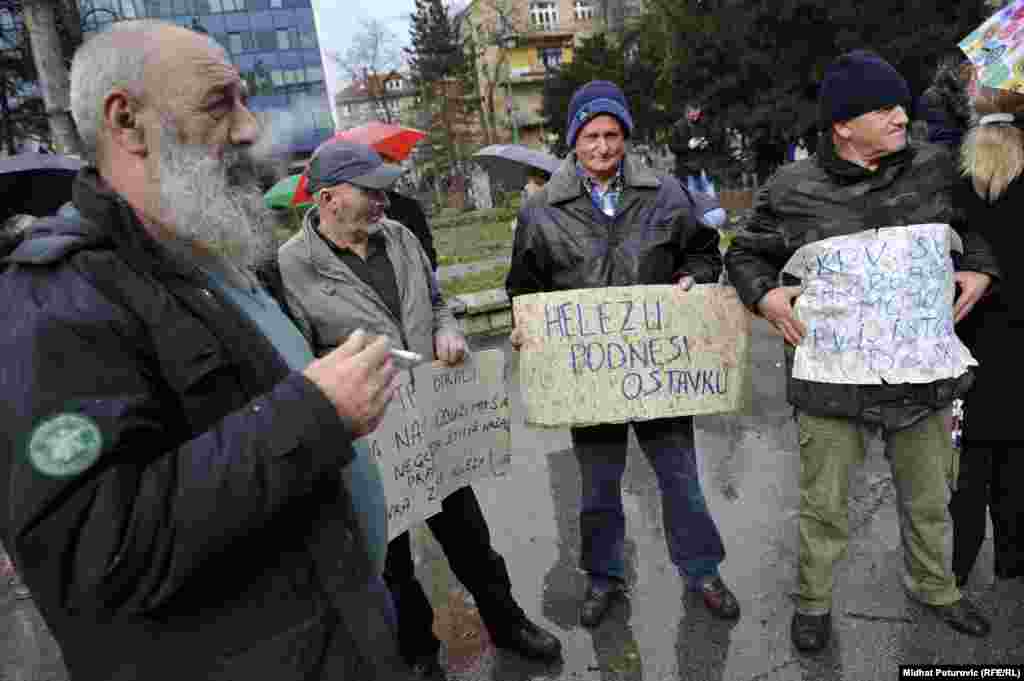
446 428
632 353
878 306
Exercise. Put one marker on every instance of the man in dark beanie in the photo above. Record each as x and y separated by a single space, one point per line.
865 176
605 220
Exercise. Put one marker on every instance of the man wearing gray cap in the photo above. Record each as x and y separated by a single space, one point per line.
352 268
865 176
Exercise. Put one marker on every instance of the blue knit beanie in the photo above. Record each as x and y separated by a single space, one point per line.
594 98
856 83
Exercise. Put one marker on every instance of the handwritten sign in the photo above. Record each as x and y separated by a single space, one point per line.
446 428
632 353
878 306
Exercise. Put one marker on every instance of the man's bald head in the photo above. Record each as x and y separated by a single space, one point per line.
128 56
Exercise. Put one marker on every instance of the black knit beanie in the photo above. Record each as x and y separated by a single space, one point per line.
856 83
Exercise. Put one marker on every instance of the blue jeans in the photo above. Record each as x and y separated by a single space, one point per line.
694 544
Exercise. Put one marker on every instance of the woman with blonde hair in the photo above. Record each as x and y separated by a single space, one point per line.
992 460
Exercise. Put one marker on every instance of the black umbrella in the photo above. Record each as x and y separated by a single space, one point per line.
36 184
508 164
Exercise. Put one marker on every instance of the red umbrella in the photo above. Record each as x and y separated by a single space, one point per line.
393 142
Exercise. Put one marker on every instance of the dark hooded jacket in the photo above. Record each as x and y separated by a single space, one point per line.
563 242
945 106
212 537
826 196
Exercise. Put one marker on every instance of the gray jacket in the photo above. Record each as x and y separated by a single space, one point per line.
330 301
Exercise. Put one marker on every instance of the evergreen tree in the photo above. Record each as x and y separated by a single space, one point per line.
434 52
443 78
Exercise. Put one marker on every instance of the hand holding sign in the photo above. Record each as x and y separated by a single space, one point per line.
973 286
777 307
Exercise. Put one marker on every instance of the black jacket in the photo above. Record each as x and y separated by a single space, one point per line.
563 242
408 211
994 330
826 196
212 538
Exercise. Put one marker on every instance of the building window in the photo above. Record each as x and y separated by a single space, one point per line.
217 6
235 43
288 38
544 14
584 10
265 40
314 74
550 57
9 31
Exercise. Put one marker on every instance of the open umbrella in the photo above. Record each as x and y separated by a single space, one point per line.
508 164
36 184
394 142
288 193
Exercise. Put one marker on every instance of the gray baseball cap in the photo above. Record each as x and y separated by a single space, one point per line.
338 161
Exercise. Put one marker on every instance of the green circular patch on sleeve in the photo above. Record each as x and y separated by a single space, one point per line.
65 445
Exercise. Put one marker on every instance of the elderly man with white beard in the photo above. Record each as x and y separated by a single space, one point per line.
187 493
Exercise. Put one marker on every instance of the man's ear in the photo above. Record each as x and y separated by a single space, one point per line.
120 117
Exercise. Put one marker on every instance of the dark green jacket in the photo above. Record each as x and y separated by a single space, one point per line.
826 196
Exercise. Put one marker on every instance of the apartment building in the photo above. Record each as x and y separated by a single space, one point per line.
522 41
378 97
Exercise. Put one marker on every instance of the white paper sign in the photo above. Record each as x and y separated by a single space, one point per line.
878 306
446 428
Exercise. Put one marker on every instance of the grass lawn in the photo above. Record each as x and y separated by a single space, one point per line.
473 242
478 281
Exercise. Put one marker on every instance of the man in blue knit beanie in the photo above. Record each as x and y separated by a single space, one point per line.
605 220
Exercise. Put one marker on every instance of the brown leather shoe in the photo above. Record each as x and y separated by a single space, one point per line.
810 633
719 599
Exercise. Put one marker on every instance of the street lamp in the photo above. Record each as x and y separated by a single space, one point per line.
506 40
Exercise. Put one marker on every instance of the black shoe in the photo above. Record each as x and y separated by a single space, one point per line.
962 616
597 601
529 640
719 599
810 633
429 668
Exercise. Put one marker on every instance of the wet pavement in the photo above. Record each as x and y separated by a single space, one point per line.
749 471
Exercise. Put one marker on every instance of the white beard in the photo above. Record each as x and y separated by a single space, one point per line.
214 205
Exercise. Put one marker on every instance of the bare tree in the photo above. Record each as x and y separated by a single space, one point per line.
374 53
54 84
491 31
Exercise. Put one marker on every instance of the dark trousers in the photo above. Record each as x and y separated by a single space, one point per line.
990 477
461 530
694 544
